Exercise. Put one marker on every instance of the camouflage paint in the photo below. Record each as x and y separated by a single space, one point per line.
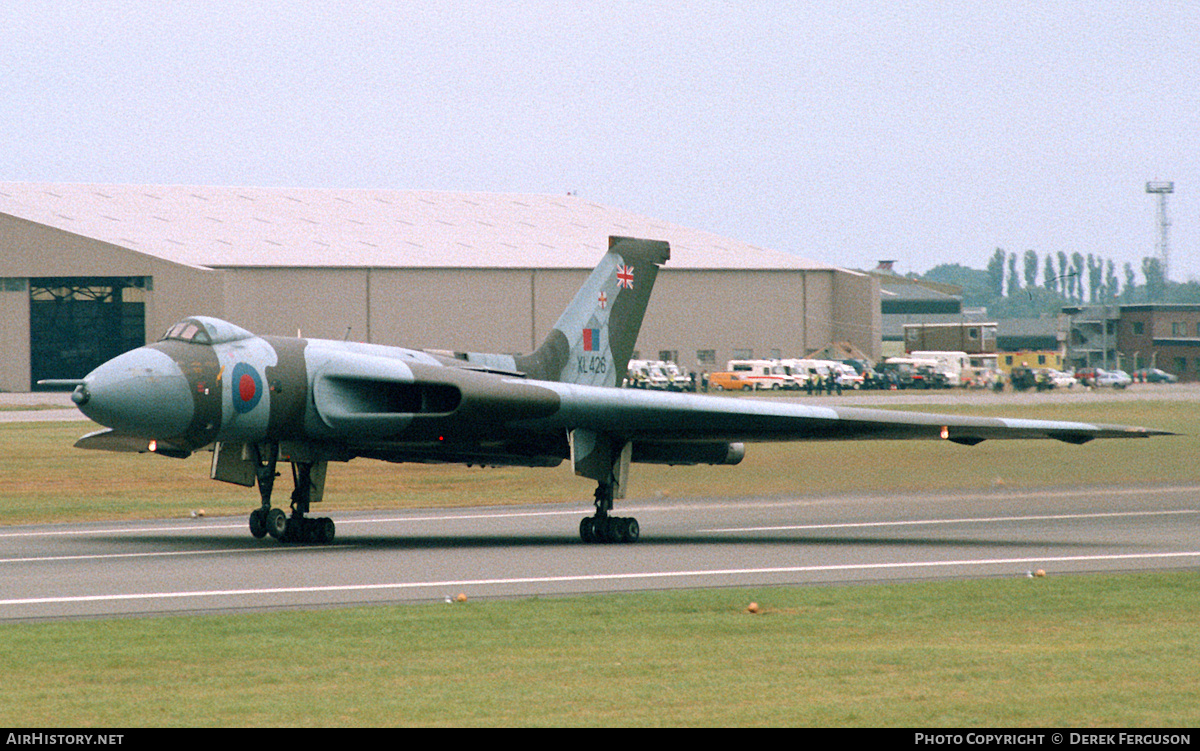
202 370
287 384
593 339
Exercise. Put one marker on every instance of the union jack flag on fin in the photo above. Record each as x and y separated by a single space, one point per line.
625 276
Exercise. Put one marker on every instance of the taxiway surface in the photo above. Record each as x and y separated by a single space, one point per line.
213 565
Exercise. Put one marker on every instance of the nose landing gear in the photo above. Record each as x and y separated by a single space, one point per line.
309 479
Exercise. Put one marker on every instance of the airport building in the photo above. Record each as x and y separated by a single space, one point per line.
1132 337
88 271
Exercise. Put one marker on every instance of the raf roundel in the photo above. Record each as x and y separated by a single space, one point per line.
247 388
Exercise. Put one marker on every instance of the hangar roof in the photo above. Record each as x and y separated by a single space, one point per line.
220 227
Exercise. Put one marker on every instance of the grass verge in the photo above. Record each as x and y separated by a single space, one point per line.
1093 651
1064 651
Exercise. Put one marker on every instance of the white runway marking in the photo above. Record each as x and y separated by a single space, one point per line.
242 524
977 520
117 530
776 528
638 506
644 576
167 554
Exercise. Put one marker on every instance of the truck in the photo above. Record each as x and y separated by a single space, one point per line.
955 365
913 372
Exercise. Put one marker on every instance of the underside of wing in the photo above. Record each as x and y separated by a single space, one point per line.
116 440
112 440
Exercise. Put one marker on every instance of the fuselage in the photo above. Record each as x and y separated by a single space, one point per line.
210 381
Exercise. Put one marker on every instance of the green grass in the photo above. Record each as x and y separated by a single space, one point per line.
1061 651
43 479
1089 651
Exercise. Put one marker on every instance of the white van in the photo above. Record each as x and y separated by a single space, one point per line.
797 371
847 376
678 379
763 374
646 374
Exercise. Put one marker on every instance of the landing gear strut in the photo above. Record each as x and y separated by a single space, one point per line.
605 459
605 528
309 479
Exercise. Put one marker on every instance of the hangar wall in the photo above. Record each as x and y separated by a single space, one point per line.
318 303
711 316
29 251
858 317
477 310
705 316
726 312
14 336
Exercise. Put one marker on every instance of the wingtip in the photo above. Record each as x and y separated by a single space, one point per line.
1145 432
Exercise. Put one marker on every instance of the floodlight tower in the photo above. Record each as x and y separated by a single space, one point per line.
1162 189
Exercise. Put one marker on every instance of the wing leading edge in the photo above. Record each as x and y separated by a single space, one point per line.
664 418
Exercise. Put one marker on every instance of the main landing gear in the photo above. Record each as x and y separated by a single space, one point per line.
605 528
309 478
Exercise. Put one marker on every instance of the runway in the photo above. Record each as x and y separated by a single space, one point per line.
213 565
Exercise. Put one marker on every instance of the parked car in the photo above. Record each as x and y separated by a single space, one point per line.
1056 379
1085 375
1154 375
678 378
1102 377
1022 378
848 376
929 377
1118 379
898 375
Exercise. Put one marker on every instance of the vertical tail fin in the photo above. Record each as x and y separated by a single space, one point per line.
594 337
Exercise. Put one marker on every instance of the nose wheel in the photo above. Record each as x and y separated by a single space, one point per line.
266 520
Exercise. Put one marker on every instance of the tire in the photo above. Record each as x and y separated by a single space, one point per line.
277 523
258 523
587 529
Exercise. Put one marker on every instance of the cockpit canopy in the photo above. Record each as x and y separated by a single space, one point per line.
205 330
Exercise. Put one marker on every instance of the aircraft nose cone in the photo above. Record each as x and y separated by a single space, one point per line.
143 392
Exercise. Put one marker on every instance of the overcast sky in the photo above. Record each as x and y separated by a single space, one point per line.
844 131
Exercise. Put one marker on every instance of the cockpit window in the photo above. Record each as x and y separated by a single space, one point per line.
206 330
188 331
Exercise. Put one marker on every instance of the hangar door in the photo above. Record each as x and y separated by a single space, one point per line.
77 323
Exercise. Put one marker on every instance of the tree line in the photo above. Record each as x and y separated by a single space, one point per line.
1027 285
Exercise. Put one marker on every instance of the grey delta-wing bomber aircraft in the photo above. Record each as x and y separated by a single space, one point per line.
257 400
